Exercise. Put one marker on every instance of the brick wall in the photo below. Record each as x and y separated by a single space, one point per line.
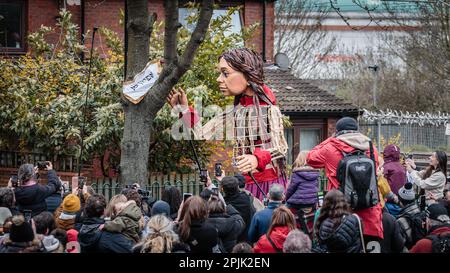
5 174
253 13
107 14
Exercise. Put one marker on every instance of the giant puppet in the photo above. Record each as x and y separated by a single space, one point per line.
257 128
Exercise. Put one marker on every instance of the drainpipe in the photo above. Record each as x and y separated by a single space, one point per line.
83 26
264 32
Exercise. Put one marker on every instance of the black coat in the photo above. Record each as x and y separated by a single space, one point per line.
53 202
33 197
344 238
393 241
92 240
229 225
243 204
203 237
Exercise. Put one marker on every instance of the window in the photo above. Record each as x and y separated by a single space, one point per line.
309 138
289 135
12 26
236 22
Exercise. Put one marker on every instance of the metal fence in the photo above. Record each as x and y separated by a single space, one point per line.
419 132
157 183
412 136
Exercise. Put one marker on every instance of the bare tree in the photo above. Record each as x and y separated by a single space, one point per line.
420 79
298 34
139 117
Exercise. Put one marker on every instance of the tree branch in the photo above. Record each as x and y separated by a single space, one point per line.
170 31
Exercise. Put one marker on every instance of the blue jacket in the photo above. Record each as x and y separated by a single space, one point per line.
261 222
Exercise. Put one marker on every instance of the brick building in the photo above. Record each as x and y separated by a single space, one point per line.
313 111
26 16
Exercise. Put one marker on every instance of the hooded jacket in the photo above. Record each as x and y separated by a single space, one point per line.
303 187
344 238
127 222
328 154
229 225
394 172
32 197
278 237
93 240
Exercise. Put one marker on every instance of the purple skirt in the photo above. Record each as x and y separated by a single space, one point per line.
265 186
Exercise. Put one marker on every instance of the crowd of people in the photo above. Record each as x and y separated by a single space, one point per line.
409 212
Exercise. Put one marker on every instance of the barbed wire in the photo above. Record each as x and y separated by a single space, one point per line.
400 117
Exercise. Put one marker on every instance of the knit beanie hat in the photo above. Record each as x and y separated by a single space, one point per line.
5 213
407 192
346 123
161 207
71 203
50 243
21 231
72 235
72 245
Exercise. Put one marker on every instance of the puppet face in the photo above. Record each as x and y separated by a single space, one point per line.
231 82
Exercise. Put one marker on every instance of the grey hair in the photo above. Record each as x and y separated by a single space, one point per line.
25 173
276 192
297 242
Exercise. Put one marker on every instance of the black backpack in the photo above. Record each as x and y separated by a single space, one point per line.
357 179
440 243
417 225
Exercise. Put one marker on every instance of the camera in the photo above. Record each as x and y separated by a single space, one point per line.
218 169
27 215
81 182
14 181
203 176
42 165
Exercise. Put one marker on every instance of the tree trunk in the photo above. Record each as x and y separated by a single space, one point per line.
136 135
139 118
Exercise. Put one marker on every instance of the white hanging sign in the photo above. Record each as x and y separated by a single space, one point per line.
447 130
136 89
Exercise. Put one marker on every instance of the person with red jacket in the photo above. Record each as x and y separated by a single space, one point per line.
256 122
282 223
438 224
328 154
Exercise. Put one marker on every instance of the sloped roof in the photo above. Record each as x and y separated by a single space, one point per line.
295 95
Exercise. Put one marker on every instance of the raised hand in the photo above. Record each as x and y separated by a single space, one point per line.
177 97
